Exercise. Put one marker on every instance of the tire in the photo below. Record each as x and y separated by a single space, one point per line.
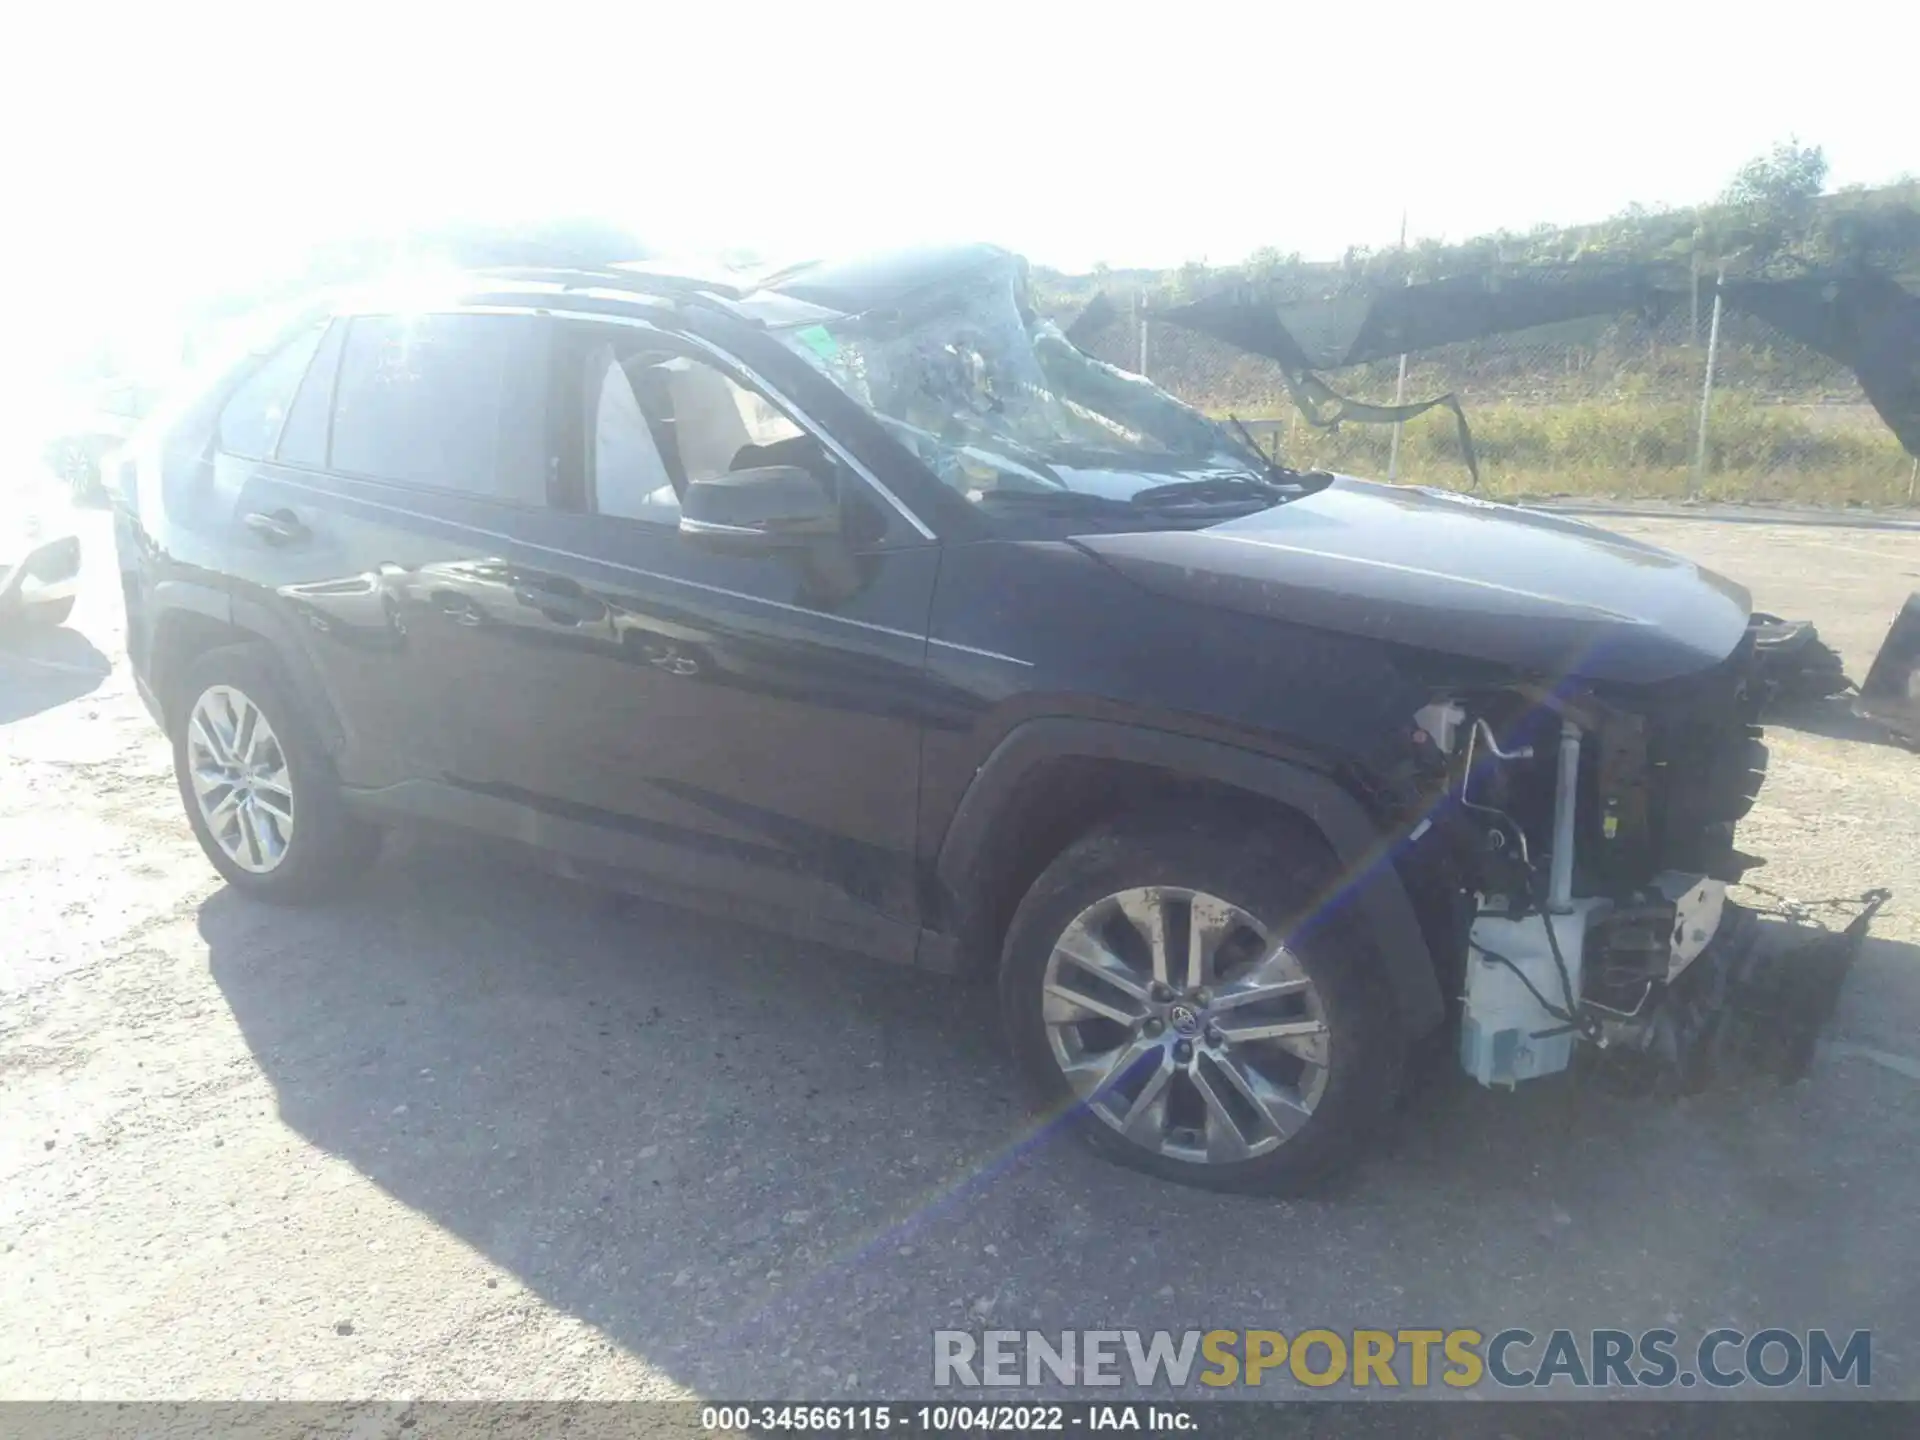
1330 1110
322 845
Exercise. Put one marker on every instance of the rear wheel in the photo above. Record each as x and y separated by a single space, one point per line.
258 789
1175 993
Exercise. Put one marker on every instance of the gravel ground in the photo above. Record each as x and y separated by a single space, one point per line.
476 1132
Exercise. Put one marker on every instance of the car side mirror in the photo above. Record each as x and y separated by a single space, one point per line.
772 507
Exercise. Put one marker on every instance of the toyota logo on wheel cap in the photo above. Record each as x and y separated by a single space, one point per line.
1183 1020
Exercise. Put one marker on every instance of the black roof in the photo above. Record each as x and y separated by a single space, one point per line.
849 286
870 281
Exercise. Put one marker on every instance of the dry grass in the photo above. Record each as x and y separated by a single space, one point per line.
1634 450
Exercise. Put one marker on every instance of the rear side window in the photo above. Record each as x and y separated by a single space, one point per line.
456 402
251 421
303 439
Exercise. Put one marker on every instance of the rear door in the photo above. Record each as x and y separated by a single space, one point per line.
413 444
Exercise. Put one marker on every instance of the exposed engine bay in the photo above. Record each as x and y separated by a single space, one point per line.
1576 847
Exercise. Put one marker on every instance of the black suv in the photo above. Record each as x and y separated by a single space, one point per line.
857 601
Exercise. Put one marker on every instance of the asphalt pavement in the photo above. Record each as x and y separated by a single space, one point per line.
475 1131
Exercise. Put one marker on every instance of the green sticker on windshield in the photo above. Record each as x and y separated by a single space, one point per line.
817 339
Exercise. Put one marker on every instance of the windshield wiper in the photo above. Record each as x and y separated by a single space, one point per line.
1266 463
1298 482
1213 490
1067 501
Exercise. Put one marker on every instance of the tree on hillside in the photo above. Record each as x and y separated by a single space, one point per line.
1789 175
1190 281
1771 199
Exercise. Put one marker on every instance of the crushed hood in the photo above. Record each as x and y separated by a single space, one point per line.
1435 571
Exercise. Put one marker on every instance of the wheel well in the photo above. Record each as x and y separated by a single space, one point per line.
181 637
1062 799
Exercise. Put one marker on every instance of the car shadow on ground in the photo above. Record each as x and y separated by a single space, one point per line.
771 1169
42 666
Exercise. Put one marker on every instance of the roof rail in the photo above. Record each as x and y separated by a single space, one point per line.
731 285
626 276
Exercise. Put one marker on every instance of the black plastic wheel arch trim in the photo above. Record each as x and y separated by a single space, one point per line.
1369 882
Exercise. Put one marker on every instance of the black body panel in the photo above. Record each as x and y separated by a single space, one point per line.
821 737
1542 594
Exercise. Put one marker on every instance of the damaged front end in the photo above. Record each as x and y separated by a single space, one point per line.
1577 845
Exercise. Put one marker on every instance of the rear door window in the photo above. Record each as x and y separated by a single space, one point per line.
303 439
454 402
250 422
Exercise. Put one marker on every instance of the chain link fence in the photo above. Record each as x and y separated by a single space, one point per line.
1605 406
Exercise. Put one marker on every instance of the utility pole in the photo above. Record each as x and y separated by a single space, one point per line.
1693 293
1706 388
1400 386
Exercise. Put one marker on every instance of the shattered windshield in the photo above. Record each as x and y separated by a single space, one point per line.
995 399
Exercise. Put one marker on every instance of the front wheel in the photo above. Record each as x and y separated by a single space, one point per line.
257 786
1179 994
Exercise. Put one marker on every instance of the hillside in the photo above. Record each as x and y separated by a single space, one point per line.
1608 404
1776 232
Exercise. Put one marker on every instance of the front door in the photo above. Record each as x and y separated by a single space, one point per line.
740 725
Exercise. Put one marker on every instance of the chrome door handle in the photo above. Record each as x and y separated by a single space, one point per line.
562 606
671 660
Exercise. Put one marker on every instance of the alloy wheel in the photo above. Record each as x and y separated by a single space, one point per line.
240 779
1180 1021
